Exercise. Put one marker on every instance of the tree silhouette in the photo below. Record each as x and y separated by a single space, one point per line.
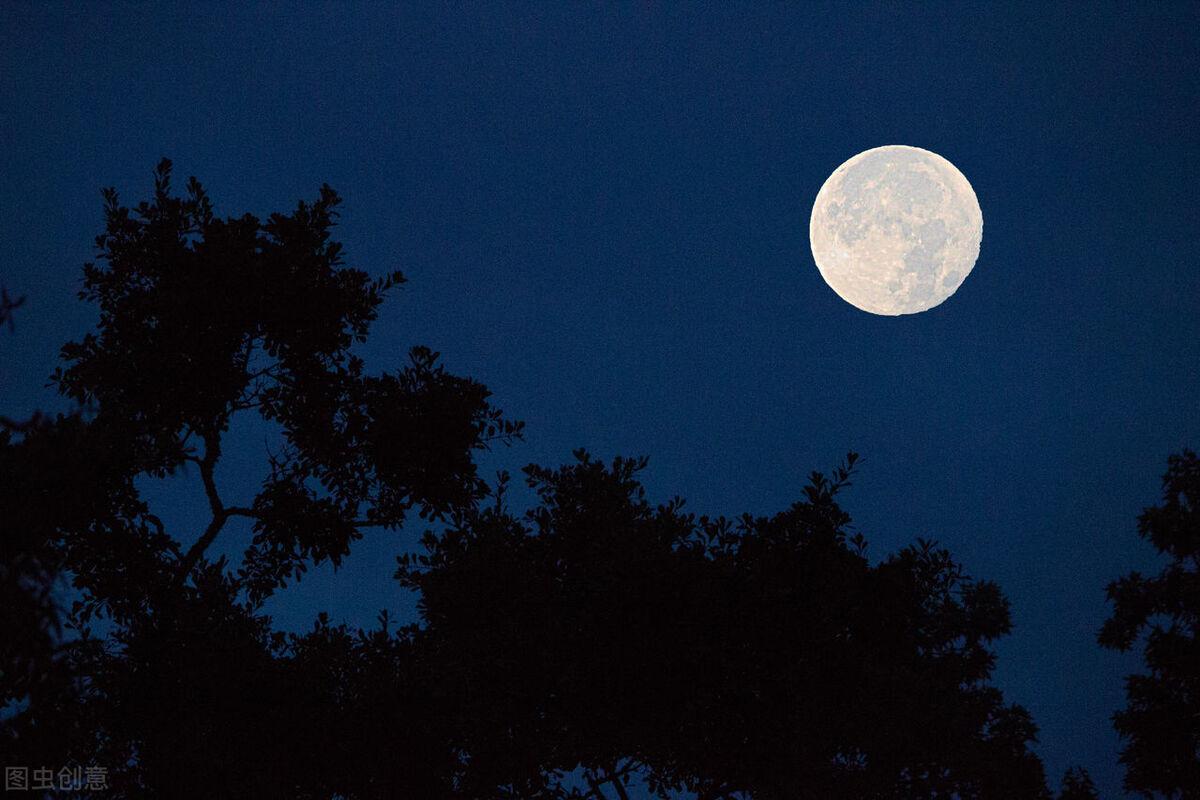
1161 723
562 652
1077 785
763 656
29 616
202 318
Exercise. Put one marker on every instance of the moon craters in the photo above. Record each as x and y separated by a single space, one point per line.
895 230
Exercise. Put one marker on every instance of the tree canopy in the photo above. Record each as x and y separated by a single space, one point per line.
562 650
1160 726
764 656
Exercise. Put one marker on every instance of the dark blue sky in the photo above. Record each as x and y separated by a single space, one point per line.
603 214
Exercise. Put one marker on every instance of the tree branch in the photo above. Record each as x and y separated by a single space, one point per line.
221 513
242 511
595 784
615 775
239 511
611 775
212 453
197 550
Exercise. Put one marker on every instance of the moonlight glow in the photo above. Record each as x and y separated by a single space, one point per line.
895 230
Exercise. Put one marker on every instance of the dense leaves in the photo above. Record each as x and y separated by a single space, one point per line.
764 656
1161 723
203 318
592 639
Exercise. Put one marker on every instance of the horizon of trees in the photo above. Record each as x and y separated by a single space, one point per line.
565 650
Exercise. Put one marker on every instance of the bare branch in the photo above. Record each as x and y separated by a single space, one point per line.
212 453
615 774
239 511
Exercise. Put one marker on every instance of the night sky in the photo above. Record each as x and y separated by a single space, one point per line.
603 215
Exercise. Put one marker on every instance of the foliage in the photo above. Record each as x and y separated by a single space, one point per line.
1161 723
562 651
764 656
202 318
1077 785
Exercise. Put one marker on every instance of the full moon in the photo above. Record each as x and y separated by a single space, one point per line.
895 230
